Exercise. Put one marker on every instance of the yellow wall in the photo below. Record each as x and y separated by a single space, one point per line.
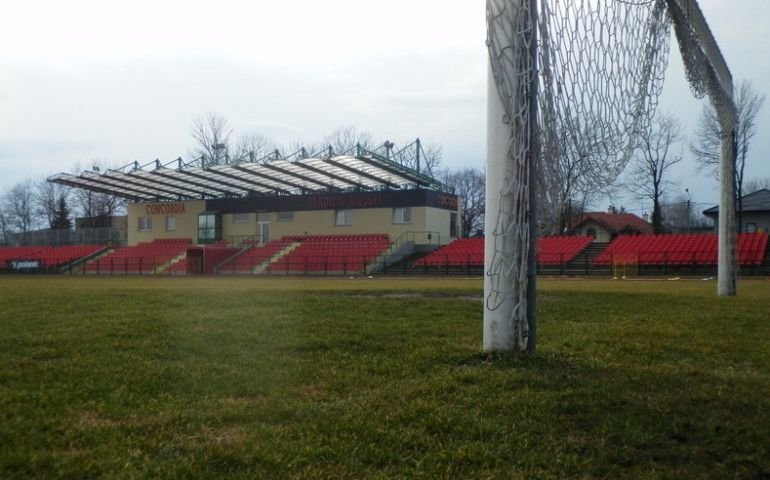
186 223
314 222
365 220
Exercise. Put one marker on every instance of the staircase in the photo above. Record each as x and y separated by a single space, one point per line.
275 257
582 264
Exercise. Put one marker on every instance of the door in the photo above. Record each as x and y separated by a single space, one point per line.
263 232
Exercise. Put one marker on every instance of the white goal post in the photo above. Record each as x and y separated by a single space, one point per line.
708 75
515 143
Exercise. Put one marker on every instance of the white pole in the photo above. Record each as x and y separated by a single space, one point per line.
498 300
507 270
726 269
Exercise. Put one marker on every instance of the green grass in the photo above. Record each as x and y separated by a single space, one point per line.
378 378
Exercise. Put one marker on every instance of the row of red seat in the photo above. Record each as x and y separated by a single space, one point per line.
254 256
680 249
48 256
355 237
560 249
145 257
667 249
470 251
332 253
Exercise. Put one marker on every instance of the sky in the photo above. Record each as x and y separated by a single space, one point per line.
85 81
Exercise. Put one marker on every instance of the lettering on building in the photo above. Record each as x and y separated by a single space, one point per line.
334 202
164 208
447 201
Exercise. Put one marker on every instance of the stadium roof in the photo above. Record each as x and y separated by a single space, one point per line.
177 180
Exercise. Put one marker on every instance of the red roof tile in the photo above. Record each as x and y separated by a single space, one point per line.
614 222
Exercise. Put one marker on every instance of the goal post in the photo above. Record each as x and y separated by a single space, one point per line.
510 228
708 74
602 73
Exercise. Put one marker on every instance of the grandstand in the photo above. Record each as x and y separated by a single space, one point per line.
685 254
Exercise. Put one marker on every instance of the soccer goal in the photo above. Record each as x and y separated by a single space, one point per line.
580 78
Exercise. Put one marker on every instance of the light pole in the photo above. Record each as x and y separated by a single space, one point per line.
689 216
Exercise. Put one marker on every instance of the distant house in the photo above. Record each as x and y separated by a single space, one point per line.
755 216
603 226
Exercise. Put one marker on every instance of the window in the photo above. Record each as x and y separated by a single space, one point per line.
209 228
402 215
343 217
145 224
751 227
170 224
285 216
241 217
263 217
453 224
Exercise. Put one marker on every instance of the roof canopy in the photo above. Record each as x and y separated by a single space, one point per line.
177 180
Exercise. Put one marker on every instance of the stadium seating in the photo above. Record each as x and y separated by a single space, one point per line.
331 253
680 249
253 257
461 252
148 257
470 252
48 257
559 250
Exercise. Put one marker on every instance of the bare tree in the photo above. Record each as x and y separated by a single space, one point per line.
346 138
470 186
18 205
95 207
647 177
47 196
707 144
571 174
755 184
251 147
211 133
5 228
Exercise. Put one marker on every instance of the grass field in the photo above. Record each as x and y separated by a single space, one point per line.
378 378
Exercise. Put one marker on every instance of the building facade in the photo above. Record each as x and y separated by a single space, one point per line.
264 218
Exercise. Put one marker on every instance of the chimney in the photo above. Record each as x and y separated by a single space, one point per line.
646 217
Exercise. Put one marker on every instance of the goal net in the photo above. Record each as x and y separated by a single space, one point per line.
576 80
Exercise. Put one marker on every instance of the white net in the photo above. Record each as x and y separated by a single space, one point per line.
600 72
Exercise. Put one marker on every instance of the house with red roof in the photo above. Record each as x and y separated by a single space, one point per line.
604 226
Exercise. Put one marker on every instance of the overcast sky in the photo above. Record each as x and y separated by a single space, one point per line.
117 82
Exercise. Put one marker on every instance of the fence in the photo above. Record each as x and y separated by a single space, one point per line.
64 237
